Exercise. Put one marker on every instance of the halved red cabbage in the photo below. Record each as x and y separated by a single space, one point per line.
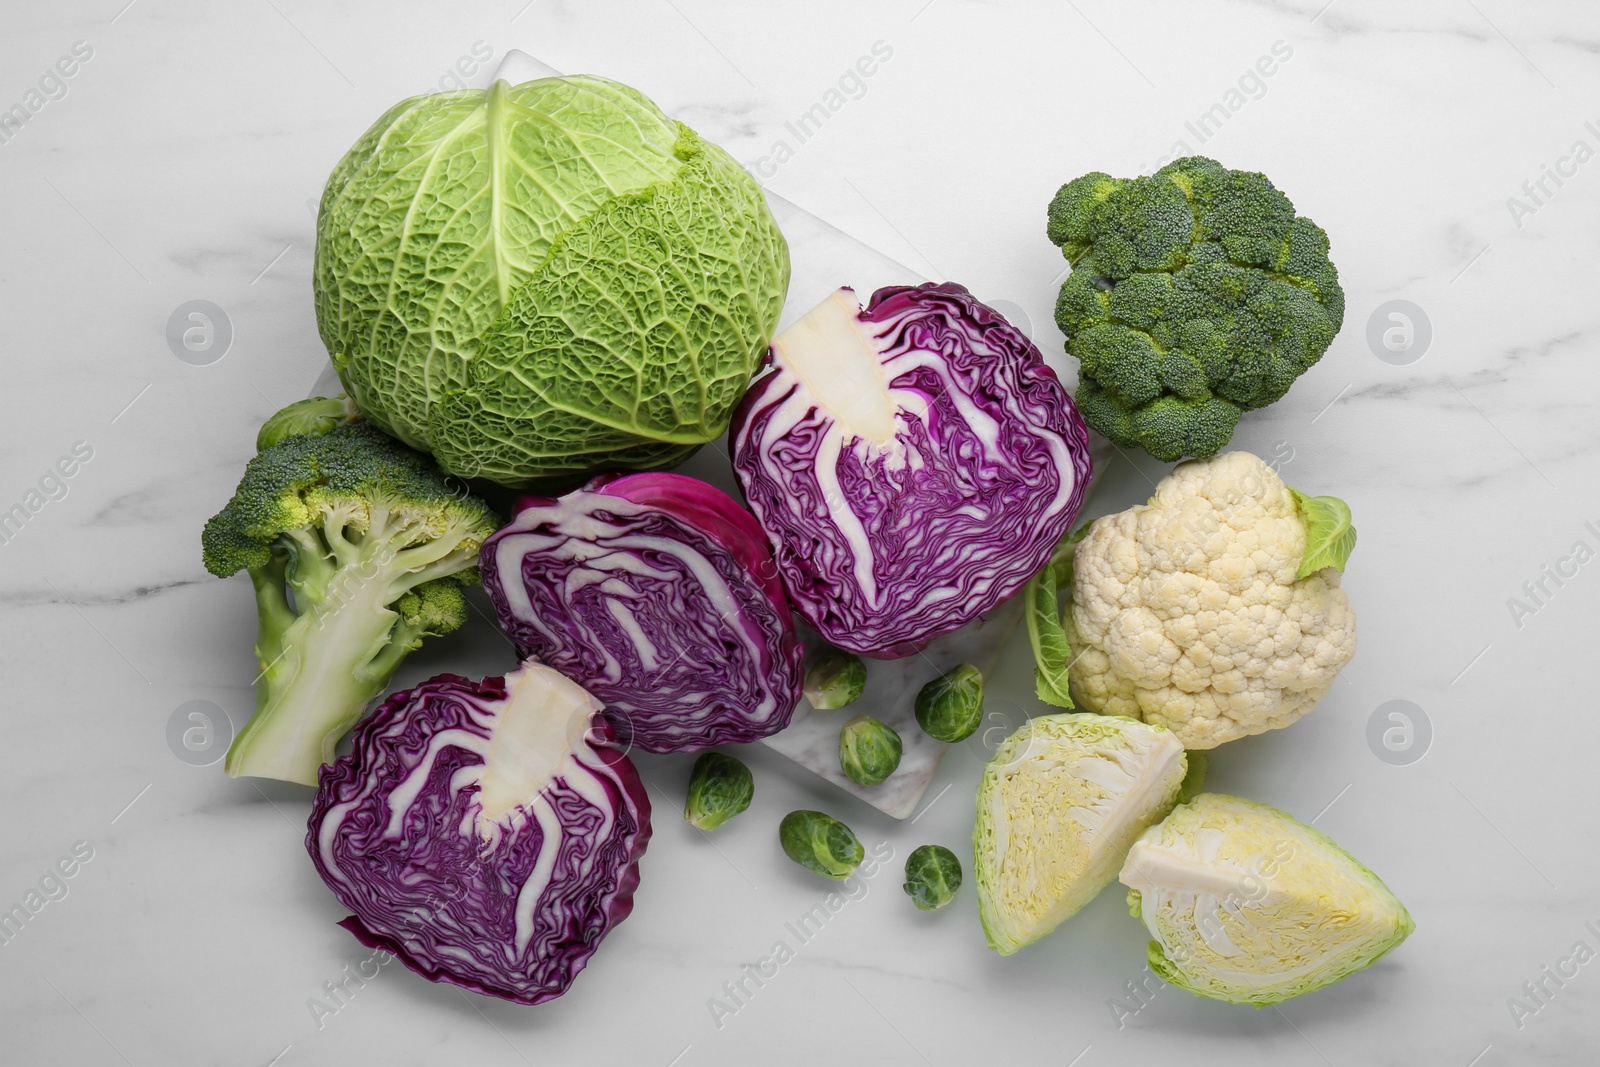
656 592
913 464
486 833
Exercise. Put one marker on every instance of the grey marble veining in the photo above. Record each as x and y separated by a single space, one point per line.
177 165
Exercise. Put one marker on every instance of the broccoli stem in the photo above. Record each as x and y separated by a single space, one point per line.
315 686
322 665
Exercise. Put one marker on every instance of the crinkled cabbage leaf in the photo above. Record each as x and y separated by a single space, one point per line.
539 281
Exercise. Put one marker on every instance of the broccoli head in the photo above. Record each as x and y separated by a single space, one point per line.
1196 294
358 547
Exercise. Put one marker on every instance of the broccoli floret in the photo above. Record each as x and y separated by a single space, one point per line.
358 549
1196 294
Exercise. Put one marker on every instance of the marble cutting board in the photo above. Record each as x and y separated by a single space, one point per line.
823 258
812 737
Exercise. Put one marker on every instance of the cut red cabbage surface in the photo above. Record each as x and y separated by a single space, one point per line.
488 834
658 594
913 464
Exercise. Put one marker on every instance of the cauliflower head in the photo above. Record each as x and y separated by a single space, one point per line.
1188 612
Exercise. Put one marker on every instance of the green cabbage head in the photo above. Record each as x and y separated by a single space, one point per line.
537 281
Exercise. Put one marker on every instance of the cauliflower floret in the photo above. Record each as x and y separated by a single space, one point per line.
1186 611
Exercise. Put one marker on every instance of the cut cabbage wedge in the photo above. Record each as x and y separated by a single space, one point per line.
1059 804
1249 906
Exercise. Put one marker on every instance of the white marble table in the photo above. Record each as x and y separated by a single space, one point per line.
178 161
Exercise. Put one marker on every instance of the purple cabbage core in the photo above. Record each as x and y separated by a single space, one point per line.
986 471
394 833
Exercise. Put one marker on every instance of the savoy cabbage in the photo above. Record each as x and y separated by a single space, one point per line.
536 281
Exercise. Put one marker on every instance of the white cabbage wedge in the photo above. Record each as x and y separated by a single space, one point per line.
1059 804
1247 905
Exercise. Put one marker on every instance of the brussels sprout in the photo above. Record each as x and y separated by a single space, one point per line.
950 707
869 751
835 679
820 843
720 787
933 874
317 415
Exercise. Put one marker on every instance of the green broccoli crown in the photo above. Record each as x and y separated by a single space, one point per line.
353 481
1196 294
437 606
357 547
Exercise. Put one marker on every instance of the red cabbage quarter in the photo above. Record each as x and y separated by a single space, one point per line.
913 464
486 833
657 593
